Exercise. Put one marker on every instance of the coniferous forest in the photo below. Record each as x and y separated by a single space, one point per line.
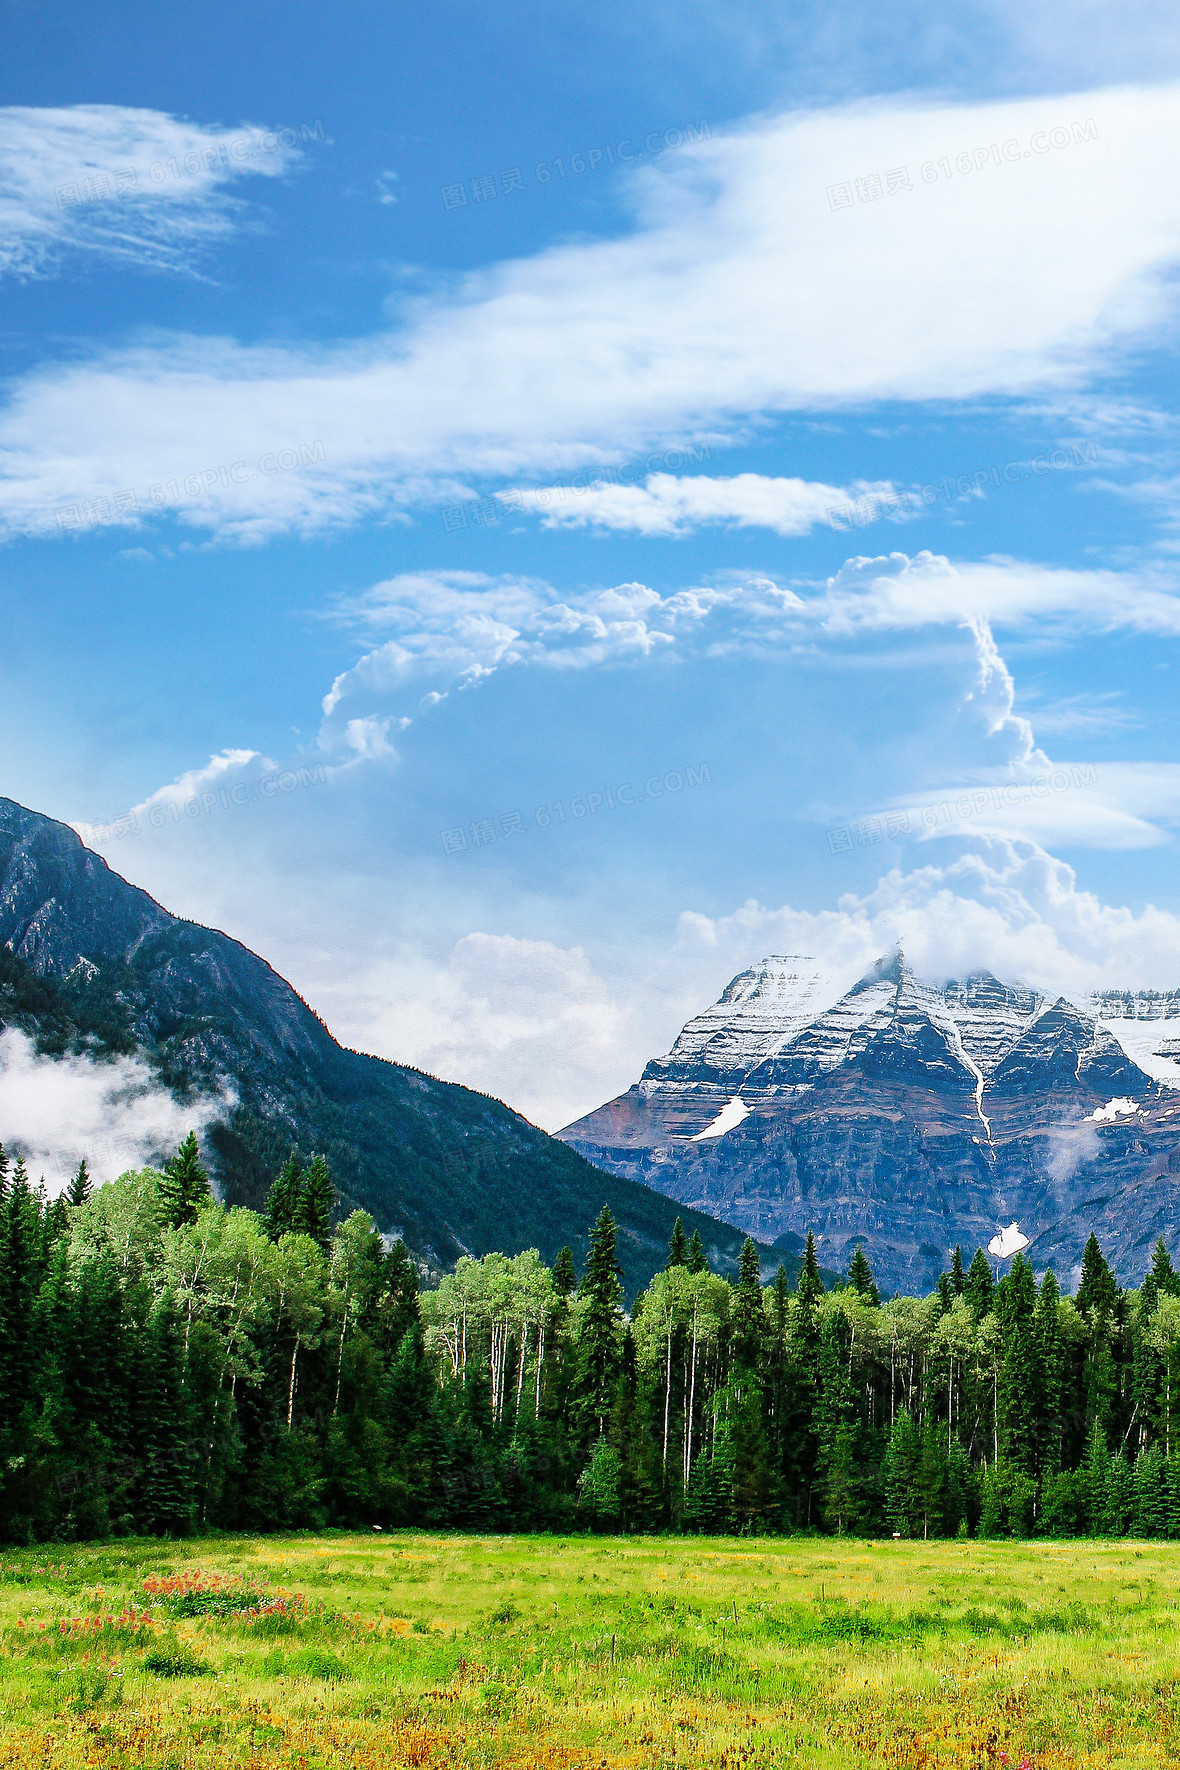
168 1365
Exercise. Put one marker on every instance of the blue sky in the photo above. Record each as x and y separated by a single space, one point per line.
753 505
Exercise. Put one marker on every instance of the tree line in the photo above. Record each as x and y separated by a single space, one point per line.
169 1365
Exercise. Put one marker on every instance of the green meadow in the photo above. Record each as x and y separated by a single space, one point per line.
441 1650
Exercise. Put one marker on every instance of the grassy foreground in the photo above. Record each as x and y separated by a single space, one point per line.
426 1650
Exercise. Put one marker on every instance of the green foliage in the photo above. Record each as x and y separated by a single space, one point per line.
184 1185
175 1659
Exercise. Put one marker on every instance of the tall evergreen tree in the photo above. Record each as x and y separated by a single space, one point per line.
748 1319
19 1251
79 1188
860 1277
598 1347
166 1496
1163 1275
980 1285
1050 1375
1097 1288
697 1260
184 1184
565 1277
958 1276
1016 1300
903 1504
677 1247
283 1200
316 1203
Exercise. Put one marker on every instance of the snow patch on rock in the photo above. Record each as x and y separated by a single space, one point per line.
731 1114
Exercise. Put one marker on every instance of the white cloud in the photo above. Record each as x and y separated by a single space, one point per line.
1010 906
55 1110
669 505
133 186
458 628
526 1020
739 293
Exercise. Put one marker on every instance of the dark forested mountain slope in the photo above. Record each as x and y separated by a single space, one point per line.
88 960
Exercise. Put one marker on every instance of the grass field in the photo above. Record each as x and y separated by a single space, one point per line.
448 1651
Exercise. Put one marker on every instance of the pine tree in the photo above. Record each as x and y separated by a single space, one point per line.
932 1479
79 1188
565 1277
1016 1300
1095 1472
843 1507
979 1286
677 1247
810 1286
835 1419
317 1201
697 1261
1097 1289
902 1459
597 1353
20 1238
748 1319
958 1276
166 1482
398 1307
1119 1500
1049 1357
1150 1510
1164 1277
283 1201
860 1277
1172 1495
184 1184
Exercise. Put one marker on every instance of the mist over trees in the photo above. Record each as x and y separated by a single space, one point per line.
170 1365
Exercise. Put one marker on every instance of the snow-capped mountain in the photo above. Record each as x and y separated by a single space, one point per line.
909 1116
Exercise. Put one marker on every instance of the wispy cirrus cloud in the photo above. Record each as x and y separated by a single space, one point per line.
737 295
128 185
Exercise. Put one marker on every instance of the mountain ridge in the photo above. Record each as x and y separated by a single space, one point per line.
905 1116
95 963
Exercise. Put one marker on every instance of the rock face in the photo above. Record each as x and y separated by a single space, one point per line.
908 1118
88 961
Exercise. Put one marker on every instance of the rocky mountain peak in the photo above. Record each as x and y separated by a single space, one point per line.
906 1113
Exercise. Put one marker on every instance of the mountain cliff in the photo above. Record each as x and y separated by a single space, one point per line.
906 1117
89 962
